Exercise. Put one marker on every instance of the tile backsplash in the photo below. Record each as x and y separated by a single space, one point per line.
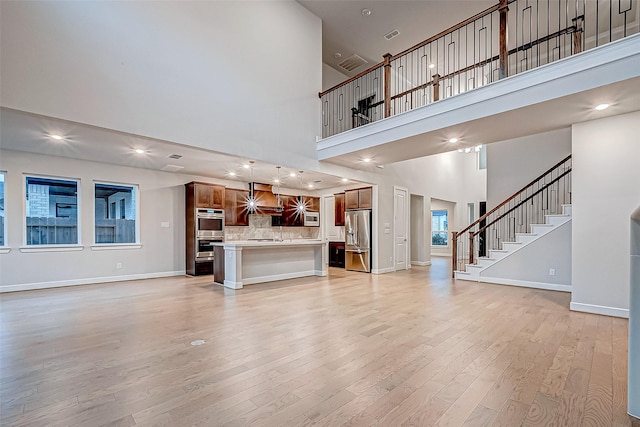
260 228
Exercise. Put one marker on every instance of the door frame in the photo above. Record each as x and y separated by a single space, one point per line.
407 254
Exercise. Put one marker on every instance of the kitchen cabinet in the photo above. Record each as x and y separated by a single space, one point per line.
312 203
205 195
292 217
218 264
235 211
336 254
360 198
339 208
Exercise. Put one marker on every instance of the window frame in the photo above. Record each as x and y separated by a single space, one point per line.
440 231
115 246
54 247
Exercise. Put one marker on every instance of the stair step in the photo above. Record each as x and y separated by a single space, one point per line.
526 237
515 245
485 261
566 210
556 219
473 266
541 228
497 253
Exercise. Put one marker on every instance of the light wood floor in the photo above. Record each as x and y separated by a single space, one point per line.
408 348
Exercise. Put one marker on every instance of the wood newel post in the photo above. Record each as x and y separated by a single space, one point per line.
387 84
436 87
504 51
454 253
471 236
577 35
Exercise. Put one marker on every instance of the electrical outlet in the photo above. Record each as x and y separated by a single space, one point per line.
118 265
552 272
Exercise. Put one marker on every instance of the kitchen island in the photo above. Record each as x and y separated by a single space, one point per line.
249 262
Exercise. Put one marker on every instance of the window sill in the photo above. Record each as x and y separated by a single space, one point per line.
51 248
115 246
4 250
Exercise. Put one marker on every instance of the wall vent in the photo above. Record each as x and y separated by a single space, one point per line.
391 34
352 62
172 168
175 156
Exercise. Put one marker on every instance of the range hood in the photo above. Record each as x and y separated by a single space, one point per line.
266 200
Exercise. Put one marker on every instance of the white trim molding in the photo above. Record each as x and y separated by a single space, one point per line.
5 250
383 270
88 281
599 309
421 263
526 284
51 248
115 246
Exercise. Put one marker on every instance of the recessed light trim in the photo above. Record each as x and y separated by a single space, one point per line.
232 174
56 137
344 180
365 12
366 159
453 140
602 107
139 151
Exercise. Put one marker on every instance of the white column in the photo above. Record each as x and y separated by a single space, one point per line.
634 318
233 266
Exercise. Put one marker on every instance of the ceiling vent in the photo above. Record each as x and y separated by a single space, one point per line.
391 34
352 62
175 156
172 168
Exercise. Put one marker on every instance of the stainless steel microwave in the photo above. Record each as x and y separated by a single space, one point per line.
210 223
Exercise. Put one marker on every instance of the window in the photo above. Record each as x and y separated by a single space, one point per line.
52 211
439 228
3 223
116 213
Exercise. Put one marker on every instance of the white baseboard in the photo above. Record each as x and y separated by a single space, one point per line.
88 281
600 309
383 270
421 263
525 284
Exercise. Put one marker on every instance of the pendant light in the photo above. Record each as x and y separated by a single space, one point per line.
252 202
301 206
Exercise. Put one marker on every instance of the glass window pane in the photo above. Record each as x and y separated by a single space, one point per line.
439 238
115 214
52 211
439 220
2 222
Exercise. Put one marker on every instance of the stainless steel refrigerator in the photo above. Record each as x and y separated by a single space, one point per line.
357 227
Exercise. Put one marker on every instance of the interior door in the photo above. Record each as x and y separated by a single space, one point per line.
401 220
331 232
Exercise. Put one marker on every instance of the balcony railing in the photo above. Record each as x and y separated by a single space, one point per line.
506 39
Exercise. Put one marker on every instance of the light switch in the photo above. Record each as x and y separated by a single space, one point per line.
164 224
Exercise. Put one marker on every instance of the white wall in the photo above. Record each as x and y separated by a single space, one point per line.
530 265
606 190
161 200
331 77
514 163
230 76
418 236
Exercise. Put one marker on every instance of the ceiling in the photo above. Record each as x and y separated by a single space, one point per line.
345 30
28 132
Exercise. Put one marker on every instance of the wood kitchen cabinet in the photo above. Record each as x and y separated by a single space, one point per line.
312 203
218 264
235 212
339 208
205 195
360 198
292 217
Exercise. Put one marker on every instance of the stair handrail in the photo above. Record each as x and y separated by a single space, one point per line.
516 194
547 185
476 228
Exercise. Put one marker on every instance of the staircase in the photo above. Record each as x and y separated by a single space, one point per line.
536 211
537 231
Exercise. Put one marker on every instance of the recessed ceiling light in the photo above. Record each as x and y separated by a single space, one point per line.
337 55
139 151
366 160
365 12
467 150
56 137
432 66
310 185
602 107
232 174
276 180
345 180
246 166
453 140
292 174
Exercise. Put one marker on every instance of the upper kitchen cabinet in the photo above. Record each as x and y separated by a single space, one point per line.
312 204
206 195
292 216
235 209
339 208
358 199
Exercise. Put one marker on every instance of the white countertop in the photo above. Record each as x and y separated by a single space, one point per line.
259 243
